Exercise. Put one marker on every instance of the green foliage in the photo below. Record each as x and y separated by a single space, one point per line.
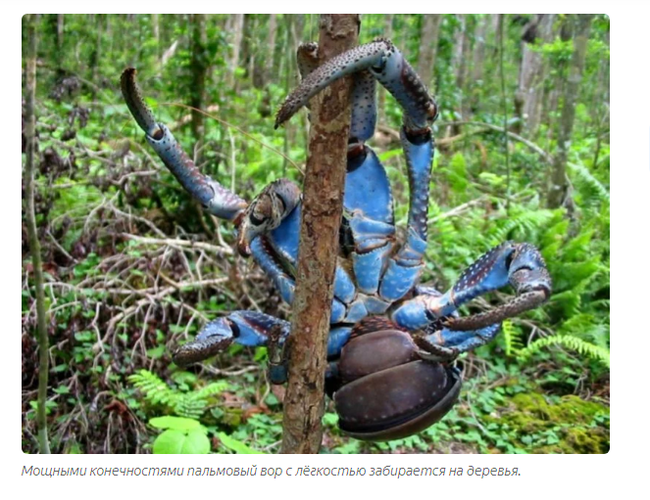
181 435
584 348
565 425
104 182
179 400
236 446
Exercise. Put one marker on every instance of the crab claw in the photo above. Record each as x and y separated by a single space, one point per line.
387 65
527 273
214 338
249 328
266 212
212 195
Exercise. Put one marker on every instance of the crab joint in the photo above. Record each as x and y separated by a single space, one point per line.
266 212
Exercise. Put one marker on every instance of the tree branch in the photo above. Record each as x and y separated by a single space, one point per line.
319 234
34 244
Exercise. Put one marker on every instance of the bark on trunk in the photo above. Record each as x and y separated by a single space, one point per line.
388 33
458 64
34 244
155 26
479 48
319 233
238 32
558 189
270 49
60 23
199 69
428 47
531 73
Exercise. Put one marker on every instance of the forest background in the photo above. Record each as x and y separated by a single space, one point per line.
132 266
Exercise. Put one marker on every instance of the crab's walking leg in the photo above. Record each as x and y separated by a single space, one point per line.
526 272
517 264
445 345
364 107
405 268
250 328
380 60
364 110
387 65
217 199
247 328
276 251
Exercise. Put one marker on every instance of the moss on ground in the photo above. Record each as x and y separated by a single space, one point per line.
560 425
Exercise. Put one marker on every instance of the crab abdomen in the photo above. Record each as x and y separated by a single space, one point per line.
390 393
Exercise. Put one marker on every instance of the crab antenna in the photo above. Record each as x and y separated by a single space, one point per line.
218 200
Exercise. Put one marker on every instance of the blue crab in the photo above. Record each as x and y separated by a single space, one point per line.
392 341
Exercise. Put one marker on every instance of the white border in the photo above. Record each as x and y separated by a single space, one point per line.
598 476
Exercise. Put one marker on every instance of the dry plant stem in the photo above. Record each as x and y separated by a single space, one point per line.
321 219
488 126
34 244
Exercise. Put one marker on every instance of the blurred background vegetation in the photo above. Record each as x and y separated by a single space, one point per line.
133 267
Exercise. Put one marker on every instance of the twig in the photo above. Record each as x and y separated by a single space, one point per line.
222 250
459 209
537 149
220 120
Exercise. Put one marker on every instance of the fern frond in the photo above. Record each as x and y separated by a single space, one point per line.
585 348
155 390
512 338
527 223
585 177
184 403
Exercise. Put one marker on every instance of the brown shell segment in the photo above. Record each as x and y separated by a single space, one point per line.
397 402
375 352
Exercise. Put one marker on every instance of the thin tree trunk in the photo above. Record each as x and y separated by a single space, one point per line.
270 49
60 24
530 72
388 33
551 102
34 244
558 189
98 48
249 48
155 22
479 47
466 68
428 47
458 64
238 31
319 237
199 69
533 106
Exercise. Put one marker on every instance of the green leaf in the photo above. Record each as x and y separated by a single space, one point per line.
177 442
237 446
156 352
176 423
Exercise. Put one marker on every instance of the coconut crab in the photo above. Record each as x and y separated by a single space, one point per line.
392 341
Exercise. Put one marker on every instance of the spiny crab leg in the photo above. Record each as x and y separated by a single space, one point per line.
249 328
386 64
445 345
517 264
405 268
532 283
217 199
